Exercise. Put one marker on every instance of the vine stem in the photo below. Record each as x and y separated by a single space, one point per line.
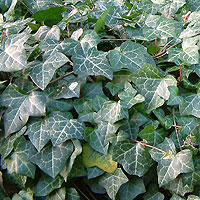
148 145
194 128
176 130
53 81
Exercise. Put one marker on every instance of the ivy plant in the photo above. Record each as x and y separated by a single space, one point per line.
99 99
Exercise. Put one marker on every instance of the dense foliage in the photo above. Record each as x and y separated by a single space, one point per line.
100 99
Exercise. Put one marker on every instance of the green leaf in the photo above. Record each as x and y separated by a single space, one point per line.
132 189
38 133
114 88
133 157
172 164
174 99
47 184
12 53
193 197
7 143
190 106
68 167
63 128
96 140
153 86
129 97
50 16
177 186
94 172
176 197
92 62
112 112
72 194
101 21
51 160
19 162
112 182
92 158
130 56
20 107
59 194
36 5
42 72
152 136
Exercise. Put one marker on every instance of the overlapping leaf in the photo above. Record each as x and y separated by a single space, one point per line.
63 128
153 86
112 182
51 160
12 53
20 107
172 164
133 157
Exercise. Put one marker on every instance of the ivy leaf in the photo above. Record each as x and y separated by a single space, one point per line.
92 158
96 140
193 197
174 99
20 107
152 136
7 144
132 189
177 186
36 5
19 162
68 167
94 172
130 56
38 133
59 194
176 197
153 86
47 184
87 60
172 164
190 106
12 53
92 62
72 194
112 112
64 128
42 72
133 157
129 97
51 160
112 182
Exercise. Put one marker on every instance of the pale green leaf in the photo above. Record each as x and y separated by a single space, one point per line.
130 56
172 164
190 106
20 107
12 53
42 72
112 112
51 160
153 86
112 182
92 158
176 197
133 157
193 197
176 186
